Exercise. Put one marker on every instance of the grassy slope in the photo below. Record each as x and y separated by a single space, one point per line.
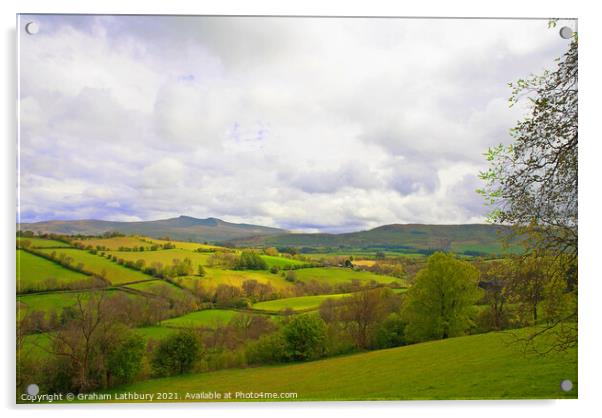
474 367
334 275
47 302
115 242
32 269
206 318
272 261
43 243
183 245
163 256
298 303
214 277
115 273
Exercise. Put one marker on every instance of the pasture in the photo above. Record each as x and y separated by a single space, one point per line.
101 266
159 288
209 318
214 277
42 242
183 245
33 271
336 275
484 366
302 303
165 257
114 243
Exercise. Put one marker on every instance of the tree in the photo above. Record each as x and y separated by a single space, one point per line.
364 310
439 305
201 271
250 260
125 360
532 183
305 336
176 354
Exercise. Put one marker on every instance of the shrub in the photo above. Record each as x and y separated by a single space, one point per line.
305 336
176 354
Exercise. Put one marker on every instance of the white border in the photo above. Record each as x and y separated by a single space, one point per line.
590 349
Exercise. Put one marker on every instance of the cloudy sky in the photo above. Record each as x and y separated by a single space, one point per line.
306 124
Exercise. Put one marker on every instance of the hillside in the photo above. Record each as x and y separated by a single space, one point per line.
184 228
471 239
482 366
474 238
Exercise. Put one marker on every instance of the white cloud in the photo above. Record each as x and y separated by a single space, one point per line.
307 124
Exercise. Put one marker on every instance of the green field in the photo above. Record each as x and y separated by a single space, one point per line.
214 277
335 275
156 333
281 261
96 264
209 318
474 367
184 245
115 242
33 270
159 288
302 303
43 243
163 256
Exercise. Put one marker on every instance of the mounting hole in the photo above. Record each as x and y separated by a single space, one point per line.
566 32
32 28
566 385
33 389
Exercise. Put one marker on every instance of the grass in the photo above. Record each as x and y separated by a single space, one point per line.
32 270
48 302
154 333
165 257
159 288
97 264
301 303
280 262
474 367
213 277
115 242
43 243
335 275
183 245
209 318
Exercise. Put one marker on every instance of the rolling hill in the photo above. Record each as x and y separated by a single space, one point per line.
472 238
184 228
411 238
485 366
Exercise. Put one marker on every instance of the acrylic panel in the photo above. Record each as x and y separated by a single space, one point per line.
262 208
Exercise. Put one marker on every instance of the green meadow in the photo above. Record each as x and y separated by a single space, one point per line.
33 270
301 303
166 257
43 243
336 275
99 265
215 276
485 366
114 243
208 318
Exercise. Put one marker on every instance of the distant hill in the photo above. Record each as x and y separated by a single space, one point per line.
410 238
470 239
184 228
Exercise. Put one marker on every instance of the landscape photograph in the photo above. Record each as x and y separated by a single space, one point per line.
295 209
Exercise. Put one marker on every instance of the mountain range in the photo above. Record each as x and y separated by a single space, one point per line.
468 239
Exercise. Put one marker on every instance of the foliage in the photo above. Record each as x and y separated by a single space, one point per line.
176 354
439 304
250 260
304 336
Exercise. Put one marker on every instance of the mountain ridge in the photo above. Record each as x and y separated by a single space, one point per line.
462 238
